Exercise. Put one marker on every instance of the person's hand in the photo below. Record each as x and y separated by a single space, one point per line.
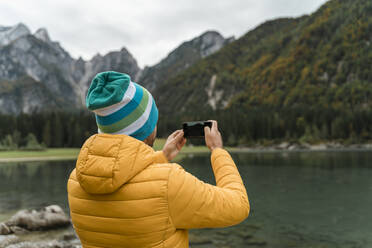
174 144
213 137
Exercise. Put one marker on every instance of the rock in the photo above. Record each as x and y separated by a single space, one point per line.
24 245
305 146
181 58
4 229
121 61
245 235
42 34
18 230
38 74
47 218
223 232
356 146
35 245
54 209
293 147
6 240
367 146
10 34
334 145
320 147
283 145
256 242
74 243
68 237
199 240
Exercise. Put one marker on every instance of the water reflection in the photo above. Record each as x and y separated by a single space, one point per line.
33 185
301 199
311 199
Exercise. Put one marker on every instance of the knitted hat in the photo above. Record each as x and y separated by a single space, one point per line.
121 106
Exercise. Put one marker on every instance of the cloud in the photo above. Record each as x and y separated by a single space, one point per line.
148 29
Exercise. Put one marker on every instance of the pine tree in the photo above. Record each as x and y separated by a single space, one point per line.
58 131
77 135
47 136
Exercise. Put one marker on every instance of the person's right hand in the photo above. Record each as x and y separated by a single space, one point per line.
213 137
174 144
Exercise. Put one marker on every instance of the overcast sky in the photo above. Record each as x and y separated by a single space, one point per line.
148 29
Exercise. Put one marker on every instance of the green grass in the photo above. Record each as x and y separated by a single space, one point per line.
72 153
159 143
51 152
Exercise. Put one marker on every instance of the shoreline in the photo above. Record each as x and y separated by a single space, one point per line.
35 159
71 154
274 150
305 147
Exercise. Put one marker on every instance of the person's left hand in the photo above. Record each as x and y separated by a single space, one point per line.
174 144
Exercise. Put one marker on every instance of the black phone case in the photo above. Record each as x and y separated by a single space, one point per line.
195 129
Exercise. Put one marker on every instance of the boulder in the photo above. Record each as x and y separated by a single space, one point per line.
47 218
368 146
6 240
45 244
4 229
256 242
18 230
293 147
319 147
199 240
283 145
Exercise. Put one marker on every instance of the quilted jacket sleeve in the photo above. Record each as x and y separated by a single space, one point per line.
195 204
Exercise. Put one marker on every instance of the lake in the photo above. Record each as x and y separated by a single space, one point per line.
298 199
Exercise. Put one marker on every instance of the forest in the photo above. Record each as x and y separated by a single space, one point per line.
259 125
305 80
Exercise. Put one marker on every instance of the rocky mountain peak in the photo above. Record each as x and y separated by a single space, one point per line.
4 28
121 61
210 42
36 70
42 34
182 57
210 37
125 50
96 57
10 34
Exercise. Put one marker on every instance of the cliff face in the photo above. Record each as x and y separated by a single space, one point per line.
35 61
121 61
182 58
10 34
322 60
37 74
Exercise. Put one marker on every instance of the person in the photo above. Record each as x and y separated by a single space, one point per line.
124 194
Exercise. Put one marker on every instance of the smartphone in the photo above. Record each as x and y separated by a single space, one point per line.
195 129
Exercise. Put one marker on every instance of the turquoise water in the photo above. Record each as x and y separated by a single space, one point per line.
299 199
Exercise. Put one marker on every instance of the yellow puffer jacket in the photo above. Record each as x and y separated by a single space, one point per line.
124 194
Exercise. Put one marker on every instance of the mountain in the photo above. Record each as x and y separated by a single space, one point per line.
306 79
121 61
289 77
10 34
37 74
182 57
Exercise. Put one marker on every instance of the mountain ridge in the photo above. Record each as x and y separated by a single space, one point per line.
35 57
290 77
182 57
301 80
294 41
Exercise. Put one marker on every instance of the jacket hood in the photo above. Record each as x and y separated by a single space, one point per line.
107 161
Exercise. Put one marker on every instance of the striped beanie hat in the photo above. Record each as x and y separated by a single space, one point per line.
121 106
